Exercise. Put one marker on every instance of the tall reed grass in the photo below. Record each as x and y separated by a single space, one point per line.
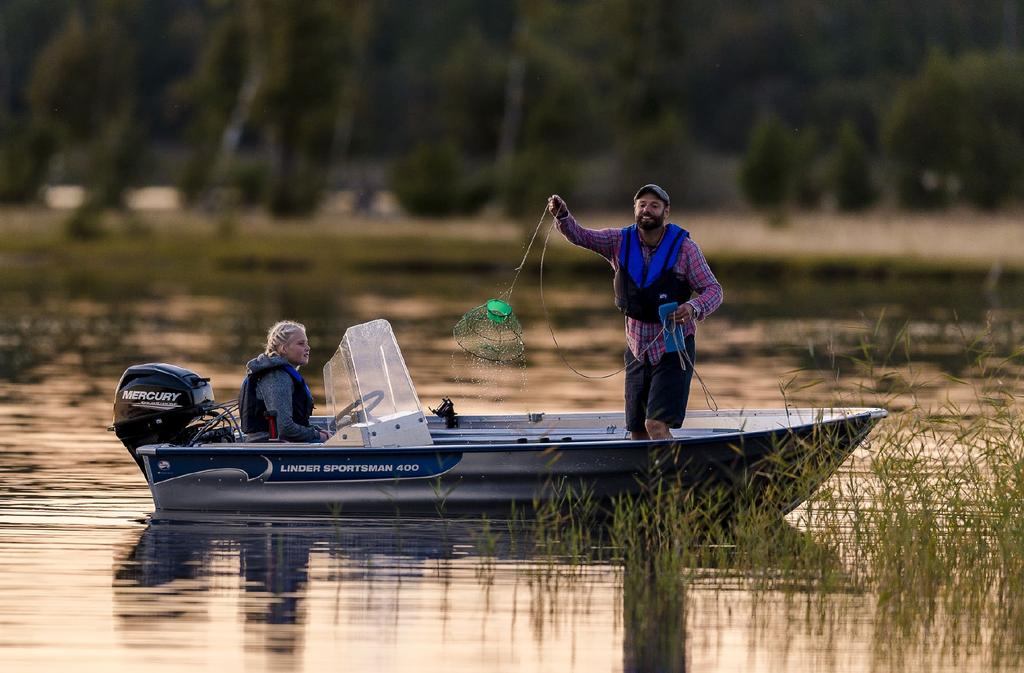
925 520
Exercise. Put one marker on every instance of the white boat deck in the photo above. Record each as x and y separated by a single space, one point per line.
610 426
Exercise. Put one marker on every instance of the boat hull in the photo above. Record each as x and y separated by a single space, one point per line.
781 466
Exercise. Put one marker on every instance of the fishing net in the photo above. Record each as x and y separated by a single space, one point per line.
491 331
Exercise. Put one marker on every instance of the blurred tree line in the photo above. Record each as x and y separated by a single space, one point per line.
454 104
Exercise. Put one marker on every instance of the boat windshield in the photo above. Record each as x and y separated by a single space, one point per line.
367 379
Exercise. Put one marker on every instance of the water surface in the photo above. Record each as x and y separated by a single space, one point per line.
91 579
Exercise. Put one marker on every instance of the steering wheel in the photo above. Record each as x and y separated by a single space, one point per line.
360 407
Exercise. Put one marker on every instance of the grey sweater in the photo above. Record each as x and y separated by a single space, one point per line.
275 389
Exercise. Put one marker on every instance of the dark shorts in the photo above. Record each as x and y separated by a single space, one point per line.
660 391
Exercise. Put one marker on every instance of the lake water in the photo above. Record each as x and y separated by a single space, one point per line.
92 580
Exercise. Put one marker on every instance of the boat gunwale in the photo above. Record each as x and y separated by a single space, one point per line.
865 414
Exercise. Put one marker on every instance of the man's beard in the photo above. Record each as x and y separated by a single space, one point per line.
651 223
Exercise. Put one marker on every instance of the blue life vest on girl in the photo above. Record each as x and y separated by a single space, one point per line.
641 288
253 410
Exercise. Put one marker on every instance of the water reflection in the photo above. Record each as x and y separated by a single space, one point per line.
274 554
654 619
371 573
384 576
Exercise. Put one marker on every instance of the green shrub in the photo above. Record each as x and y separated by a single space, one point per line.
476 190
766 176
924 135
426 181
241 183
248 180
24 159
958 128
116 156
806 170
851 172
85 223
992 163
194 177
295 193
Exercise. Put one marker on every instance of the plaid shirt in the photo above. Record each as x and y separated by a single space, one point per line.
645 338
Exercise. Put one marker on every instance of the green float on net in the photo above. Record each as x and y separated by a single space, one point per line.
498 311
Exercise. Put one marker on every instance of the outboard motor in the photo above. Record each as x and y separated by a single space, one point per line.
155 403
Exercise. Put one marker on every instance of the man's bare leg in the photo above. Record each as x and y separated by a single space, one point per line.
657 429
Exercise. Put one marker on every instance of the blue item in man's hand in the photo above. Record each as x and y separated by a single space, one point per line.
673 332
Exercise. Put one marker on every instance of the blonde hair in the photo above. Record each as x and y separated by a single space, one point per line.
279 334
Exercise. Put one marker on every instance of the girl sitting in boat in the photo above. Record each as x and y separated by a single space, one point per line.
275 402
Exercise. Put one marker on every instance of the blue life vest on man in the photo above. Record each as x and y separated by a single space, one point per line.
253 410
641 288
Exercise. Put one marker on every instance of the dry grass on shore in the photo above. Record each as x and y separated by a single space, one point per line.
956 238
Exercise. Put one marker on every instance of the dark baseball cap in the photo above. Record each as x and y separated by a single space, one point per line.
656 190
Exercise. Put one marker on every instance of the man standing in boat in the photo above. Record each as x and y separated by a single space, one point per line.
655 263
